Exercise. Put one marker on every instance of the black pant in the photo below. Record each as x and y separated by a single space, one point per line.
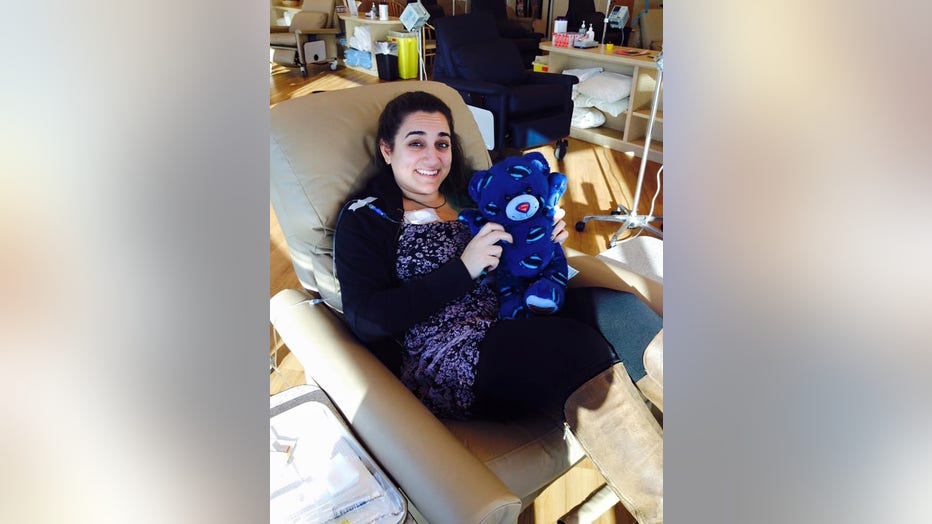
535 363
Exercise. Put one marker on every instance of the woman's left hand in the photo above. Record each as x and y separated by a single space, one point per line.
559 234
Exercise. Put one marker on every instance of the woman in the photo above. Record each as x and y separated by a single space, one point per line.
411 273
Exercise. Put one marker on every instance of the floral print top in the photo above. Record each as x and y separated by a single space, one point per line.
442 352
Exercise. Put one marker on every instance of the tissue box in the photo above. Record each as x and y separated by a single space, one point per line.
564 39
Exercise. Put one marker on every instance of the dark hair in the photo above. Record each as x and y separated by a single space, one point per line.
454 186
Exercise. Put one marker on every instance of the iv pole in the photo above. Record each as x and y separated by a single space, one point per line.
630 219
608 5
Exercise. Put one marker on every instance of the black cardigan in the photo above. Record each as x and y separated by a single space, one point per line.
376 304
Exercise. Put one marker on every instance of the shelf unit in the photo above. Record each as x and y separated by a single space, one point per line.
378 30
627 131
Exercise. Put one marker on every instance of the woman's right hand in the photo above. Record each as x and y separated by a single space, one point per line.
482 252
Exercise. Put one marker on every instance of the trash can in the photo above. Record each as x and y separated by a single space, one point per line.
388 66
386 60
407 53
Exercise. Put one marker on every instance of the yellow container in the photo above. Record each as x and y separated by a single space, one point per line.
407 53
540 68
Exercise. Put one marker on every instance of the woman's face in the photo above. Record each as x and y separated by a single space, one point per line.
421 154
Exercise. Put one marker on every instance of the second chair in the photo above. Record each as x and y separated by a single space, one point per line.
580 12
530 108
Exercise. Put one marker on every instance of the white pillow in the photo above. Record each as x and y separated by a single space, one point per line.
583 74
582 100
608 87
613 108
586 117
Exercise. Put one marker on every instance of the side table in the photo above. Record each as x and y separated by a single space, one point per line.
319 472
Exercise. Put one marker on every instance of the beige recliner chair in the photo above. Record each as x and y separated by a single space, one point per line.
321 146
315 22
648 32
652 30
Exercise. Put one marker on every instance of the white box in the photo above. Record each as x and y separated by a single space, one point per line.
414 16
315 51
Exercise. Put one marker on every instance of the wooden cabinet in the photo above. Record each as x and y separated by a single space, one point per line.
627 131
378 30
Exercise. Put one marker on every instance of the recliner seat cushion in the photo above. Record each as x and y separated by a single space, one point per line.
495 61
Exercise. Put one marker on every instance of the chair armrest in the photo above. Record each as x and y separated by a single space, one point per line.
594 271
537 77
413 446
278 29
474 86
318 31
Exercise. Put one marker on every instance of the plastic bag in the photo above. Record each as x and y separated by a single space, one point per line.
361 39
386 48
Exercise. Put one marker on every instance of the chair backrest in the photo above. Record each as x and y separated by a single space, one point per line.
395 8
577 10
322 6
429 46
307 21
469 47
321 151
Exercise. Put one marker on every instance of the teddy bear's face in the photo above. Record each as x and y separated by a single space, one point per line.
513 196
522 207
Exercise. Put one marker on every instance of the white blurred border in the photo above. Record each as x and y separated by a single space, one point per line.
797 290
134 269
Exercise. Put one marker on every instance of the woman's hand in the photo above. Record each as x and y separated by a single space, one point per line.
559 234
481 253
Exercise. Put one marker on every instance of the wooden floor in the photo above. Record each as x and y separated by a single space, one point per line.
600 178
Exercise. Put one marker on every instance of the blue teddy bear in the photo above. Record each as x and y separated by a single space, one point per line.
521 194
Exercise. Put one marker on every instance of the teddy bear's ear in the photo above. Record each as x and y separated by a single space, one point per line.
557 188
477 184
538 161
